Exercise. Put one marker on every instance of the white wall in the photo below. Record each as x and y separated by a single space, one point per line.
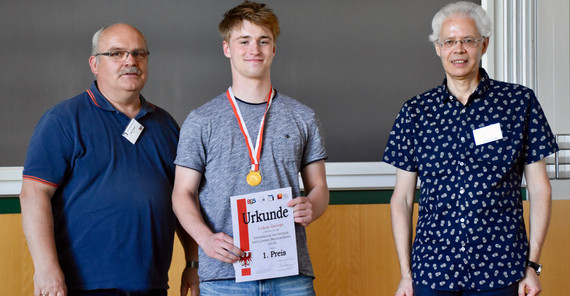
553 69
553 62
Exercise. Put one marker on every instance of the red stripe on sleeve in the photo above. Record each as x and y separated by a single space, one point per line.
40 180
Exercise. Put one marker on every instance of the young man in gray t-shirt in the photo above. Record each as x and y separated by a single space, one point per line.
214 162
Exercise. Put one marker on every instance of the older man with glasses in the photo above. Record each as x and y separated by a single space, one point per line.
98 176
469 141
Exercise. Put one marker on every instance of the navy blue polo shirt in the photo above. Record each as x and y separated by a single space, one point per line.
470 232
113 218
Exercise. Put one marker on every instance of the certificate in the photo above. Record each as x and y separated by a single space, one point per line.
264 229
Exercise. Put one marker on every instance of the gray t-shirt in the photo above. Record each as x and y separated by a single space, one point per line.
211 142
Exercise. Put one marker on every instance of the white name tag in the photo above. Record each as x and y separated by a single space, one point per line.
488 134
133 131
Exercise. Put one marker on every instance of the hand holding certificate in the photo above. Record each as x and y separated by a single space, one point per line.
264 229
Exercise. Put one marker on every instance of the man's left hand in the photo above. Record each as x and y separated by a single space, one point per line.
529 285
302 210
190 281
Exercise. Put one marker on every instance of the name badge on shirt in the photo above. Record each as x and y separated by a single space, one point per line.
133 131
488 134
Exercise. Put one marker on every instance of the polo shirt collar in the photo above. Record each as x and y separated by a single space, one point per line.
479 92
100 101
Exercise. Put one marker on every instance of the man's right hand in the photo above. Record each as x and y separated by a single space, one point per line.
405 287
220 246
49 282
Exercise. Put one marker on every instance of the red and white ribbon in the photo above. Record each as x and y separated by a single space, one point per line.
254 152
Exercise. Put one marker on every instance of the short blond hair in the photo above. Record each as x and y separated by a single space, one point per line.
256 13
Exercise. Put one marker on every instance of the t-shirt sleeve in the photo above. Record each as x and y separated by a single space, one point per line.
399 150
315 149
191 152
49 154
540 142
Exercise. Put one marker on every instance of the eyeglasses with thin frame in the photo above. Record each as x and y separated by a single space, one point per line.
122 55
467 42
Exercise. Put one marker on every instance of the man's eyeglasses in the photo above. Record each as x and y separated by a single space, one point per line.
467 42
122 55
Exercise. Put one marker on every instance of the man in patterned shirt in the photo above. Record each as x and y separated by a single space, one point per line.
469 141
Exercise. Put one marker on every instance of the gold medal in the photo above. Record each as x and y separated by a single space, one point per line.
253 178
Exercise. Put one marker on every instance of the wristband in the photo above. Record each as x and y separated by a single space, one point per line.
192 264
537 267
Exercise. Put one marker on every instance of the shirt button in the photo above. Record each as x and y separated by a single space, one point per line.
462 220
462 111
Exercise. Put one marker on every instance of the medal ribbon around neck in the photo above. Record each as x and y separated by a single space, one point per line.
254 152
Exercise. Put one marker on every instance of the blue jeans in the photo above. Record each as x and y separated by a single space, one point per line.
512 290
290 286
114 292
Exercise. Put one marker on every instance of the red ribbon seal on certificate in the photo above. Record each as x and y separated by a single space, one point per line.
253 178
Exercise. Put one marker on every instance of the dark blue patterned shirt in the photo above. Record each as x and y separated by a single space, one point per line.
470 232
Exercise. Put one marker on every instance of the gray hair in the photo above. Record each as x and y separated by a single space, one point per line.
468 9
95 42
